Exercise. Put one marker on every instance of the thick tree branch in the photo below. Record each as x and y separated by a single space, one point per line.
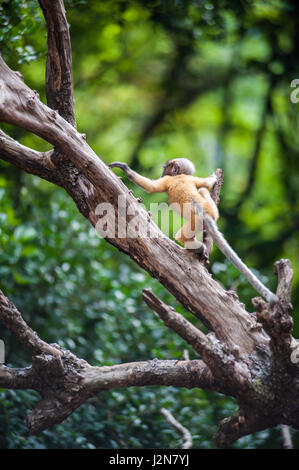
189 374
63 393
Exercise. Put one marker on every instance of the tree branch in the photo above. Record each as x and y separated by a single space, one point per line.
28 160
59 77
12 319
240 424
276 318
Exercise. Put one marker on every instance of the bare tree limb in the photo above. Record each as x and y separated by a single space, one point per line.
276 318
14 379
12 319
176 322
59 75
31 161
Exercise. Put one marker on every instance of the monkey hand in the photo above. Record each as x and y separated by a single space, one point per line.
213 178
121 165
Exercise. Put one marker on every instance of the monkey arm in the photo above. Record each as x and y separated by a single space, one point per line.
151 186
205 182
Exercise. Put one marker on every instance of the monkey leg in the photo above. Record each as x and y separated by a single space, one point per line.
208 203
186 235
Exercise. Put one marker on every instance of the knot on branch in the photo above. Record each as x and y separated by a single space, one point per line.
48 365
60 382
31 102
18 74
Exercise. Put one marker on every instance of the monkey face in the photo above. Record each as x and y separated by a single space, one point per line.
171 168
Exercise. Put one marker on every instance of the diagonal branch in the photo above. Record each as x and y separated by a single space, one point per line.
12 319
224 365
31 161
193 336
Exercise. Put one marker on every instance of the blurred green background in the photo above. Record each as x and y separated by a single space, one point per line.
154 79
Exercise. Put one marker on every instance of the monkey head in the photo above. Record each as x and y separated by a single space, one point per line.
178 166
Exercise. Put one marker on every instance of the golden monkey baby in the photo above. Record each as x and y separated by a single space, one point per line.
183 191
192 198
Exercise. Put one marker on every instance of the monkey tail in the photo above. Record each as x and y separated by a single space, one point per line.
230 254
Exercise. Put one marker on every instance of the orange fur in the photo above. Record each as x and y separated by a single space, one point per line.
184 190
187 194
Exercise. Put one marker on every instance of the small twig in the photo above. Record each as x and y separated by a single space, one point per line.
187 438
284 272
186 356
286 437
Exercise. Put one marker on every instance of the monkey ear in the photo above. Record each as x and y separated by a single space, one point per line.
175 168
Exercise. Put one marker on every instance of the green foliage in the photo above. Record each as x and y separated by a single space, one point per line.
153 79
21 24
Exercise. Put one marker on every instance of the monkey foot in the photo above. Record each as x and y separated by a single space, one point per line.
121 165
200 250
